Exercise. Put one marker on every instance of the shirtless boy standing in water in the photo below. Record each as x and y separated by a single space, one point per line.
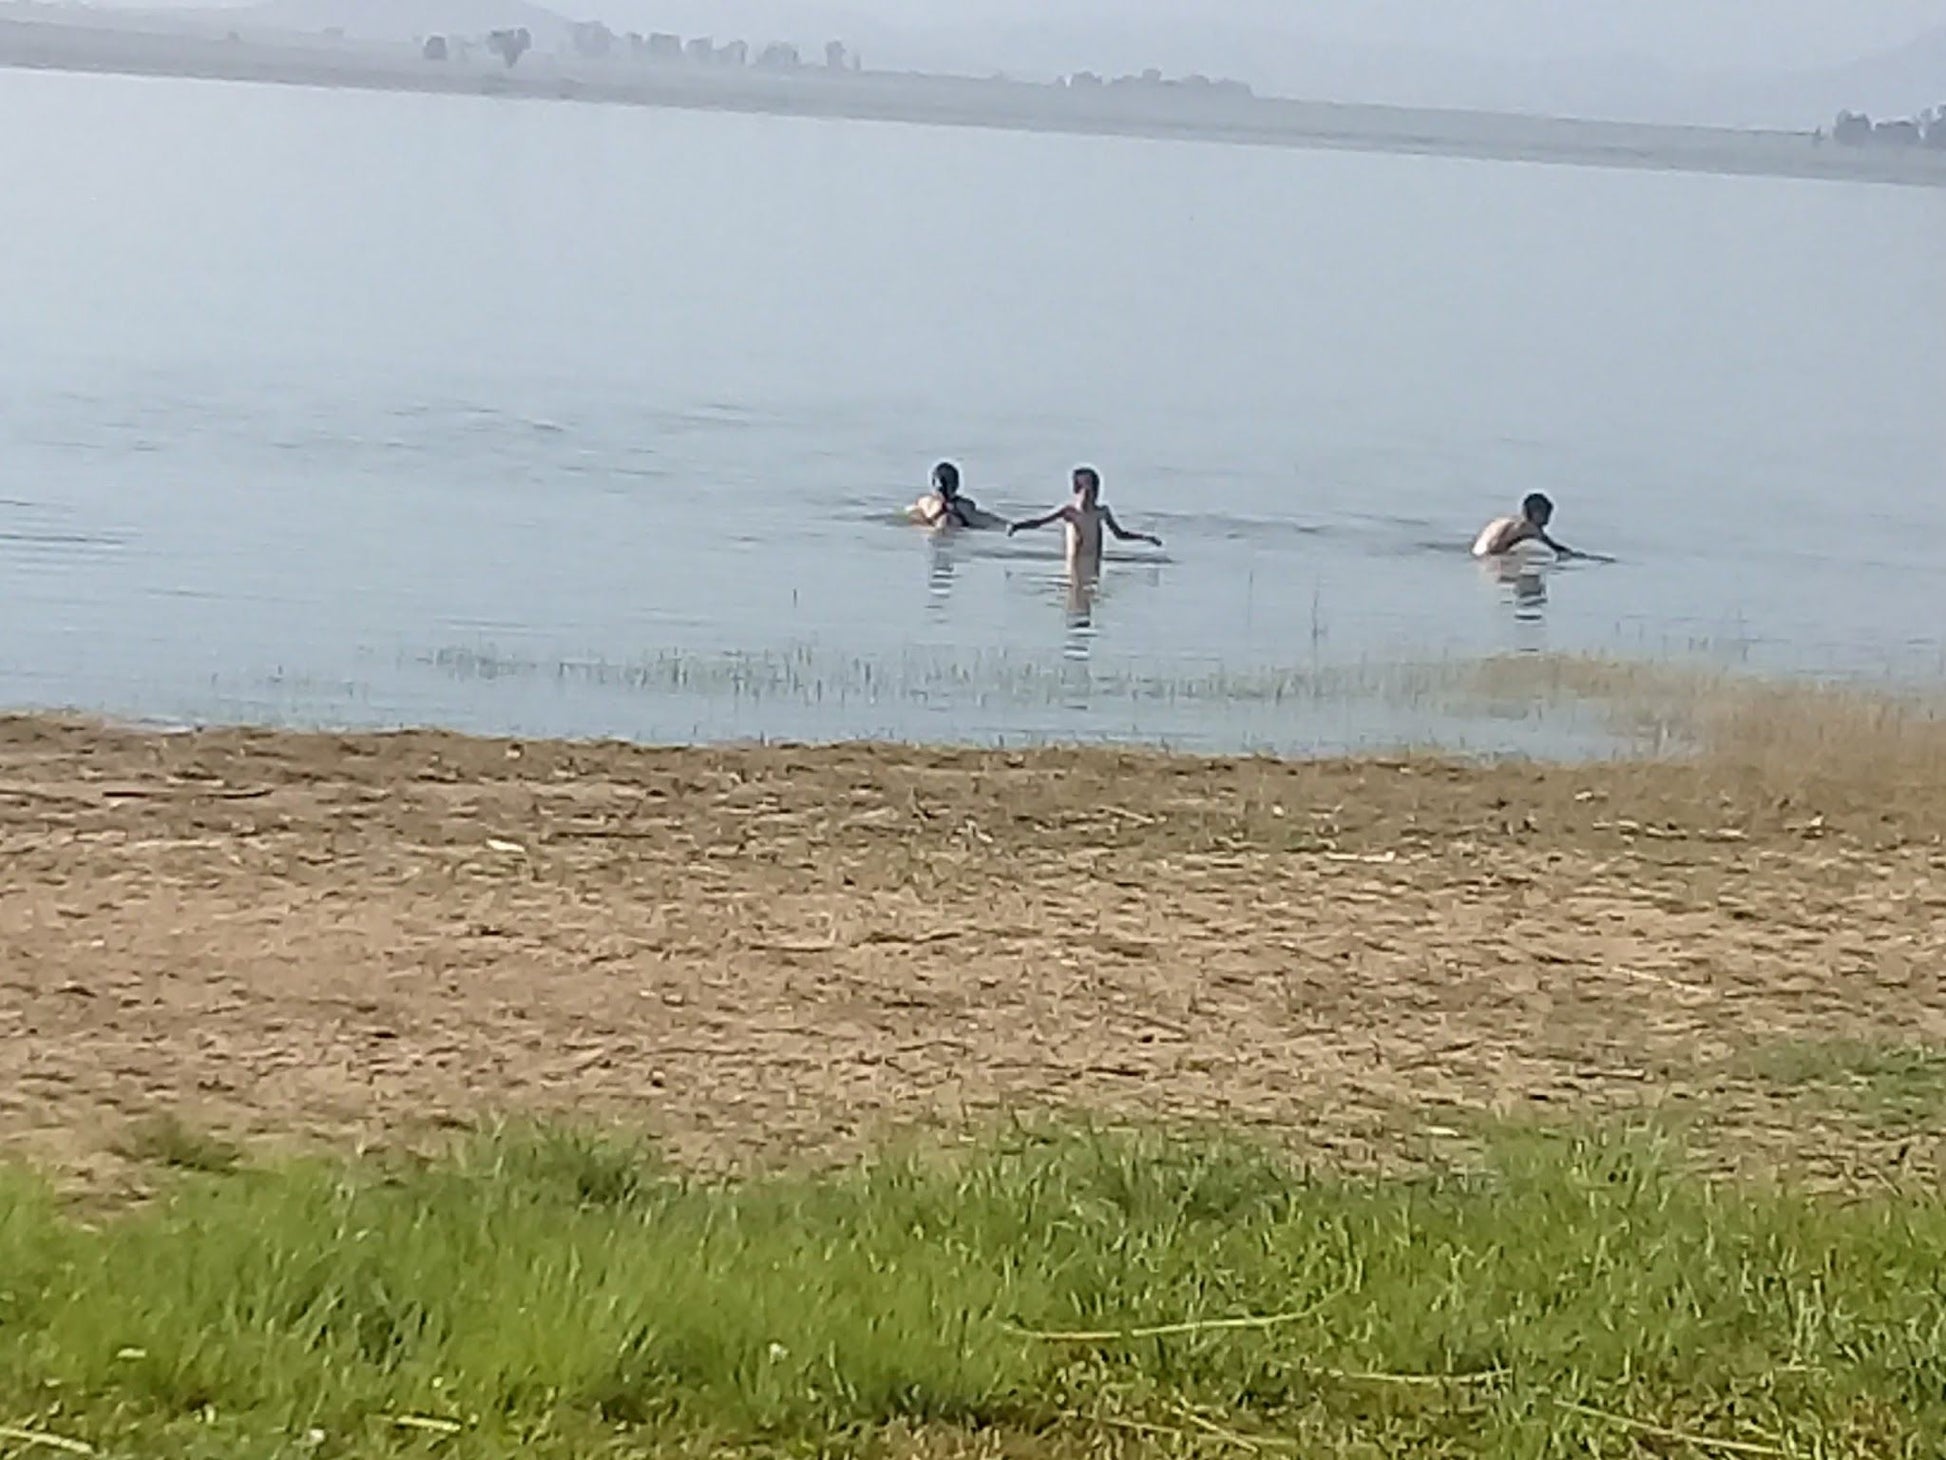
1085 517
1502 535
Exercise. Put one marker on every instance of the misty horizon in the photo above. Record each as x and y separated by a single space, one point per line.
1717 62
1709 34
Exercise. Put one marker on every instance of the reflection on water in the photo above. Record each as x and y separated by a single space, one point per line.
1520 583
1077 676
943 564
1080 590
1529 596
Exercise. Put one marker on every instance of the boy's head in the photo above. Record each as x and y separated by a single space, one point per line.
945 478
1537 509
1087 482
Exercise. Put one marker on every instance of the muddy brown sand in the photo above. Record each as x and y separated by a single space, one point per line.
783 953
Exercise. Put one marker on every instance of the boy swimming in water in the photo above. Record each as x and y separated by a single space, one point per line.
1502 535
1085 515
946 506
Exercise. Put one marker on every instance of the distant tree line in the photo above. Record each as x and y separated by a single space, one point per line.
1154 79
510 45
595 41
1927 129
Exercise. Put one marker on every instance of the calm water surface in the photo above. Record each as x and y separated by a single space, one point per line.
354 408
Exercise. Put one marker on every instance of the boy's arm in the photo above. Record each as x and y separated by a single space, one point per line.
1124 534
1029 524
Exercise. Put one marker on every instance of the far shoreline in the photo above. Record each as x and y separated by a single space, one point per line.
1163 114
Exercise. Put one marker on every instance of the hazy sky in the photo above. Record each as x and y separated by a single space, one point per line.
1705 33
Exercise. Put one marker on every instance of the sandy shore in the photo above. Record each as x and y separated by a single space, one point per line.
768 952
1174 113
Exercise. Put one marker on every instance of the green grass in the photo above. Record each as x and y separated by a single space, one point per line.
548 1294
168 1140
1899 1088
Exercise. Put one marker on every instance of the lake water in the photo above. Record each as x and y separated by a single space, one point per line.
353 408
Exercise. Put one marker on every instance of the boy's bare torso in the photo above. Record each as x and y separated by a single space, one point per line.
1082 522
1503 535
933 510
